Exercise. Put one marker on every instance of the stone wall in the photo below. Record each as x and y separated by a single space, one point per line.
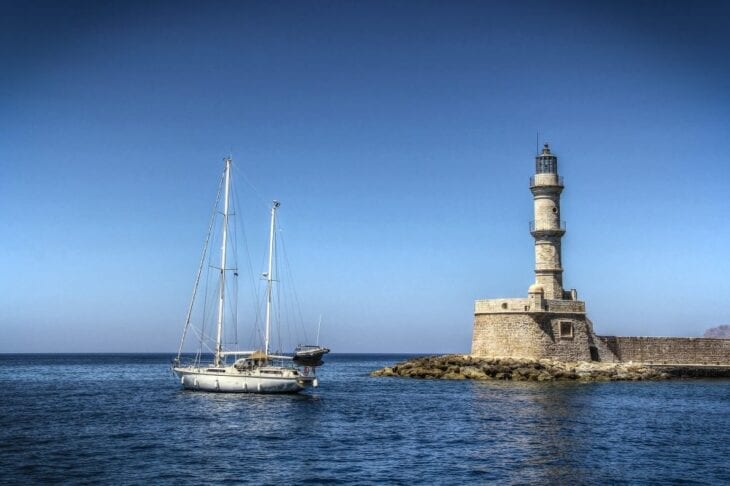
532 335
487 306
501 305
660 350
512 328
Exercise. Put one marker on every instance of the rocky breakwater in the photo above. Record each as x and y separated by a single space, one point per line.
465 367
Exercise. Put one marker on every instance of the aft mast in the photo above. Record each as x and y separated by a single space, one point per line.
221 296
269 275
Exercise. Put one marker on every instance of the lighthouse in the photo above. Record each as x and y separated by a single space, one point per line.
547 228
550 322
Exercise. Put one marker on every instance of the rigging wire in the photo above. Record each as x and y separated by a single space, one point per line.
261 299
254 287
294 292
209 303
256 335
202 337
290 296
200 266
277 306
260 198
205 308
233 303
284 293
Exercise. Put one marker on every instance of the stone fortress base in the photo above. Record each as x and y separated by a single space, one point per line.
563 332
517 328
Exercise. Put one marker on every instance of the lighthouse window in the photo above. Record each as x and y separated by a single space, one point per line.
555 210
566 330
546 165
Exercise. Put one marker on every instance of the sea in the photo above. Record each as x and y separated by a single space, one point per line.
124 419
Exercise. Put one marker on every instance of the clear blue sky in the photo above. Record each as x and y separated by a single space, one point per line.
400 137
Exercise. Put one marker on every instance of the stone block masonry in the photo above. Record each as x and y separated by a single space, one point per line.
559 336
669 350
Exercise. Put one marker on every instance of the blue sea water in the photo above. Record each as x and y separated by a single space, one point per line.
123 419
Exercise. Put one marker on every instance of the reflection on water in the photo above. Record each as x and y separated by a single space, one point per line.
124 418
535 420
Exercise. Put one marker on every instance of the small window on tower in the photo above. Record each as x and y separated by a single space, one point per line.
566 330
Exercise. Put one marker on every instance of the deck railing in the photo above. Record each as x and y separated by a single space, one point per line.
546 180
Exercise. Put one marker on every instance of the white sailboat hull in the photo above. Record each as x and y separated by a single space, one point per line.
234 381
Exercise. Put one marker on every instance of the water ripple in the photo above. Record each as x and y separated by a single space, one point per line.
123 419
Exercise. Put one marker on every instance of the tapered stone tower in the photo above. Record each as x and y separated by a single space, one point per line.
547 228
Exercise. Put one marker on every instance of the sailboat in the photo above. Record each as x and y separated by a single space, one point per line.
232 371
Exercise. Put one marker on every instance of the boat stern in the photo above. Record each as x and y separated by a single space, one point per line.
307 378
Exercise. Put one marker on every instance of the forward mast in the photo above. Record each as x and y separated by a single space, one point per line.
270 275
222 282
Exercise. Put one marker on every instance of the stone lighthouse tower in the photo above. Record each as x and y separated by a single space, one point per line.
550 322
547 228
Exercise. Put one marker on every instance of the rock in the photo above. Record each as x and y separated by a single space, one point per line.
545 376
461 367
383 372
524 373
453 376
473 373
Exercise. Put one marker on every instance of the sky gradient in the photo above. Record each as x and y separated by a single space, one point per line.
399 137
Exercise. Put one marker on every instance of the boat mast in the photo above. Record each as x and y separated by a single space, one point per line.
319 325
270 276
221 298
